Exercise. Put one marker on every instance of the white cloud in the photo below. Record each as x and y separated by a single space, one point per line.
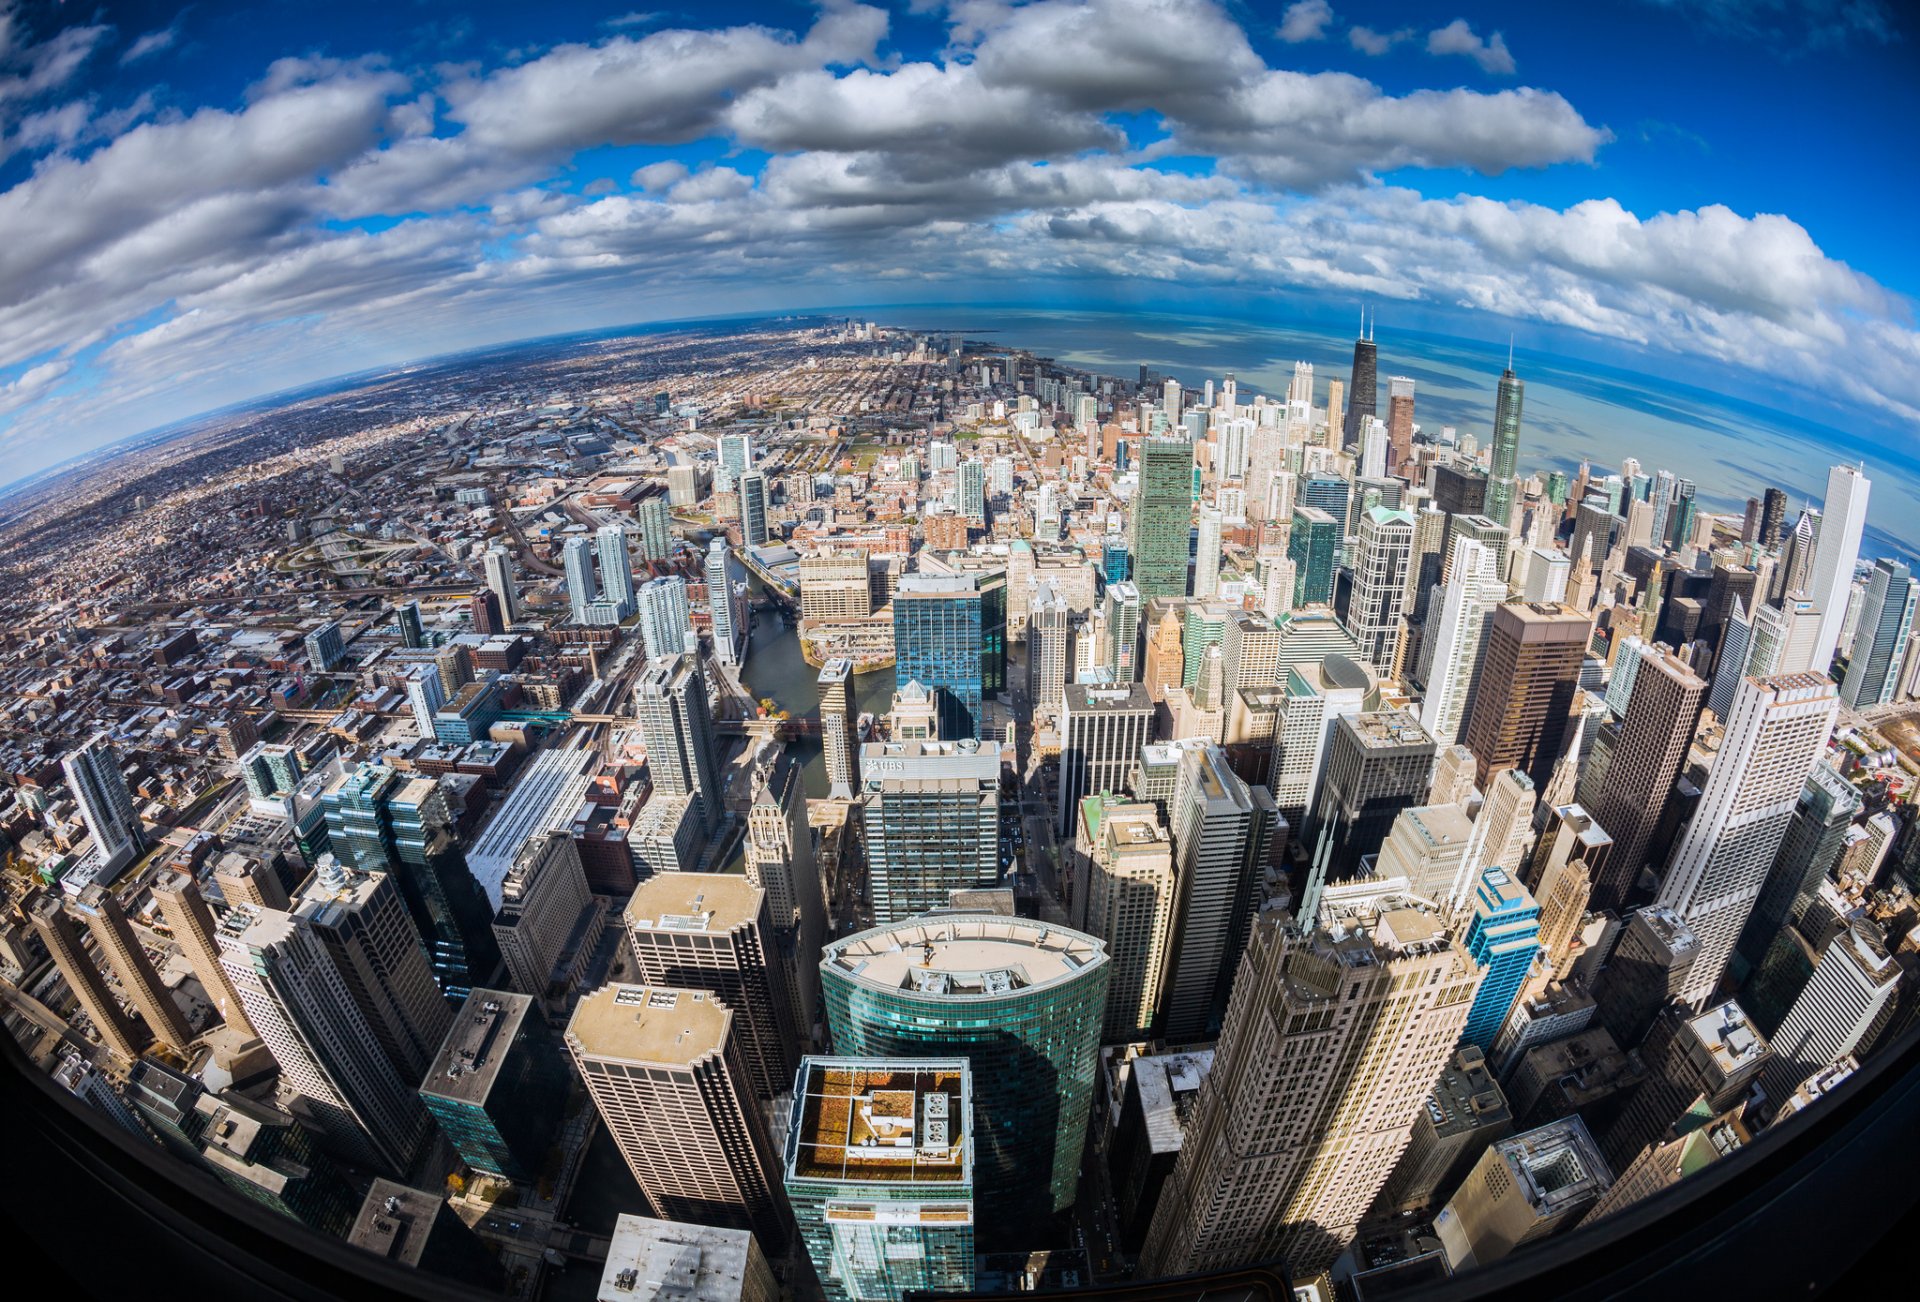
150 44
1368 41
1305 20
1457 38
658 176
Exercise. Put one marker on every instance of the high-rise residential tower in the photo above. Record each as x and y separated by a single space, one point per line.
1880 639
1843 518
499 567
676 725
1503 478
839 729
106 806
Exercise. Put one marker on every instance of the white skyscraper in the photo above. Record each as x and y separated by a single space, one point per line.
1379 577
727 596
1048 633
1206 564
666 618
1843 518
499 567
616 570
425 696
582 589
1466 610
1373 448
736 458
1777 729
106 806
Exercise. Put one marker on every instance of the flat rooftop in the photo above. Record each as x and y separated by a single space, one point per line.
395 1221
884 1120
712 902
657 1025
476 1045
966 955
687 1263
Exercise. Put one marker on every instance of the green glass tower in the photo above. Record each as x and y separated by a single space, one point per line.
1502 484
498 1085
1312 545
879 1172
1162 518
1022 1002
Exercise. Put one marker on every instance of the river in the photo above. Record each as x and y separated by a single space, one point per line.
775 669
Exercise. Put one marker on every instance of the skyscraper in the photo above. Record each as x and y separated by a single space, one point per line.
188 916
1049 636
1376 765
582 588
616 568
655 529
499 567
727 598
1843 1006
1522 1190
106 806
651 1052
676 726
1503 935
1503 478
1123 894
1815 838
543 920
1101 732
753 508
714 932
1879 642
1777 731
973 491
879 1169
116 1028
931 815
1379 578
1221 831
1635 759
1773 516
839 729
1206 556
666 616
115 941
1459 639
945 639
498 1086
736 456
1022 1001
1161 517
1529 673
1335 1034
1363 392
1313 543
1843 518
1399 424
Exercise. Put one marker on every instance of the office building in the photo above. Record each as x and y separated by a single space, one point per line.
1503 479
713 932
1625 783
1665 1163
1379 579
498 1087
835 585
548 921
1298 1125
1503 935
839 729
1313 545
735 457
106 806
1222 829
949 634
117 1029
1698 1066
1572 851
123 951
1466 1114
1363 393
1022 1001
1458 639
727 599
1843 518
1845 1004
1522 1190
335 1072
1646 971
1049 636
1777 732
753 508
931 814
676 726
1886 617
653 1052
1206 555
1529 673
1101 732
416 1228
1121 608
1376 764
1123 892
1161 517
188 916
263 1152
1399 424
499 569
879 1171
1815 839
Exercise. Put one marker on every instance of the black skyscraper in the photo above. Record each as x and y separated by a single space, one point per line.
1363 394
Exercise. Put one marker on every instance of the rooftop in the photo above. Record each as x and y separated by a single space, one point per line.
710 902
1729 1036
965 956
395 1222
882 1120
649 1024
470 1058
676 1260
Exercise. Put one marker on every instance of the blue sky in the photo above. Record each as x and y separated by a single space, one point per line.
202 204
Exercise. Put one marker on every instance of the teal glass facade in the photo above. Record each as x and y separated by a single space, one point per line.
1028 1025
1503 938
941 641
1313 545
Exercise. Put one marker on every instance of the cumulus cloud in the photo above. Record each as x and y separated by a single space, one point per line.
1457 38
348 213
1305 20
1368 41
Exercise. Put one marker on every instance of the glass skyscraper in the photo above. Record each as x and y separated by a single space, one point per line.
1022 1001
931 812
1162 518
1502 482
879 1172
950 636
1313 546
1503 936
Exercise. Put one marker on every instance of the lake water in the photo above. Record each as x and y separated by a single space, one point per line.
1732 448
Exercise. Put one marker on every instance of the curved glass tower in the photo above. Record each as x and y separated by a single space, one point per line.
1022 1002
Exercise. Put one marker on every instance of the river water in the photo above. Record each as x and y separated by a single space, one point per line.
775 669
